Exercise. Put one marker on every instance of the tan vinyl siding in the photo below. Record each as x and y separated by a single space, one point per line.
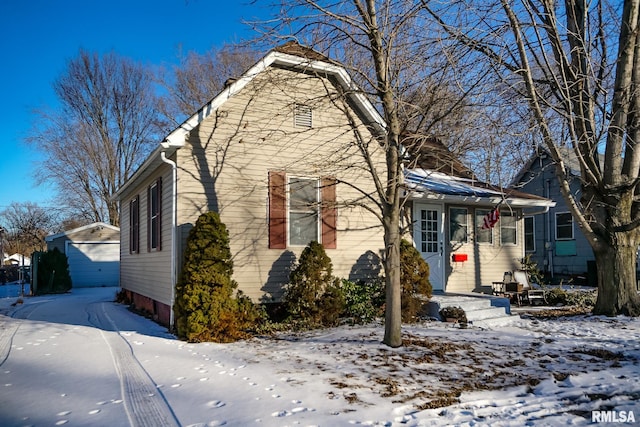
147 273
486 262
224 167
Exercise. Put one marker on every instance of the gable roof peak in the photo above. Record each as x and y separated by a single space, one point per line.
429 152
294 48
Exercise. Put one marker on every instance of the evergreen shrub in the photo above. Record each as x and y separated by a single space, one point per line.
364 300
414 277
53 273
205 306
313 296
577 298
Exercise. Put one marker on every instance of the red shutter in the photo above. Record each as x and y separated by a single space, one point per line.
329 213
277 210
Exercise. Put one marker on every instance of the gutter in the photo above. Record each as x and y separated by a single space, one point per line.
174 198
544 210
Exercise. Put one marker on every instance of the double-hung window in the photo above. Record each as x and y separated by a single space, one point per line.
134 225
304 204
154 209
529 234
483 235
508 228
458 227
301 210
564 226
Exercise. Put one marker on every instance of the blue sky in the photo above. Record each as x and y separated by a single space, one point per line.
38 37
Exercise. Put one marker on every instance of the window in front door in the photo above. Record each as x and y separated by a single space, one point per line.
429 230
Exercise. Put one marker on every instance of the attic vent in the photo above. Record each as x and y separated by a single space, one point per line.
302 116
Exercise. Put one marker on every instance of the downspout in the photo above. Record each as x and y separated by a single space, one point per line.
174 198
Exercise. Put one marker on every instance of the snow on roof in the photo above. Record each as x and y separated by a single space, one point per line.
438 182
423 182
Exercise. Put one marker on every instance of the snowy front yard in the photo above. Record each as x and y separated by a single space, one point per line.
532 372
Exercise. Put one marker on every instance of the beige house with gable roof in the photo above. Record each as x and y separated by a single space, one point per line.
279 155
276 155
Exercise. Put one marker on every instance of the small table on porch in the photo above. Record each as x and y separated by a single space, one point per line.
512 290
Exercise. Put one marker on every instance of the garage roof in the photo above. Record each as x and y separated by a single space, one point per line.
68 233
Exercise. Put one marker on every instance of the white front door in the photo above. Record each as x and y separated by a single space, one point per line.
428 229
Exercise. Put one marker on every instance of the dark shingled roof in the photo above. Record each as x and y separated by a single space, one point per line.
294 48
430 153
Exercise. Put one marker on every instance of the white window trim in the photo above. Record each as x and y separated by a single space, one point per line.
533 223
573 235
477 227
515 227
318 213
154 189
466 224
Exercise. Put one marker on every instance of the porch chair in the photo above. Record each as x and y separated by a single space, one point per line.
532 292
513 289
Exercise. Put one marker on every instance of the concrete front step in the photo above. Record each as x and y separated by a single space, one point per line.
483 311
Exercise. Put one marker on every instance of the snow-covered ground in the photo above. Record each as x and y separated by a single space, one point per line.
80 359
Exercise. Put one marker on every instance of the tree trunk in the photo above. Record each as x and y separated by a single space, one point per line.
114 214
393 307
617 288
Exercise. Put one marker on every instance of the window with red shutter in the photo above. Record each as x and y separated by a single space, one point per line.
301 209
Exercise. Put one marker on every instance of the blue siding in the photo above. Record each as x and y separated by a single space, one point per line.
540 180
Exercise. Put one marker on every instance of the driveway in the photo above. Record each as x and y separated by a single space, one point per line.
63 360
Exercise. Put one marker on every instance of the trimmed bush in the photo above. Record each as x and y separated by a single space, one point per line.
414 277
205 307
53 272
313 295
364 300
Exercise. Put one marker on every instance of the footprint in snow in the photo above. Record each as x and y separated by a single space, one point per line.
215 404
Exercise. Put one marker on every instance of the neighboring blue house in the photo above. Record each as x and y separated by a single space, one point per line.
554 240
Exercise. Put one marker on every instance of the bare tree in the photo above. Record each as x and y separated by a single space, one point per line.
199 77
101 132
391 53
25 227
575 64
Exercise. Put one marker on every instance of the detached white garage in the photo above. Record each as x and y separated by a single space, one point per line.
93 252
